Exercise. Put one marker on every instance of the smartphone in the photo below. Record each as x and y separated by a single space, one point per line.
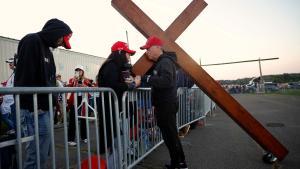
125 74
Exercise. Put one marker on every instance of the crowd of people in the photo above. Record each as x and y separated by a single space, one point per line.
34 66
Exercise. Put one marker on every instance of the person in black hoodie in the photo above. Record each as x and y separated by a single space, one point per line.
164 98
36 68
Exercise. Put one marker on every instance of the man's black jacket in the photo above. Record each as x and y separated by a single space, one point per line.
163 80
35 65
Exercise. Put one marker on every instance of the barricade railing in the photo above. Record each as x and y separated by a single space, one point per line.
140 132
191 106
90 98
120 139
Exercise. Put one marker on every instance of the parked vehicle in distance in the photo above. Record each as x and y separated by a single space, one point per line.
250 88
252 85
271 87
294 85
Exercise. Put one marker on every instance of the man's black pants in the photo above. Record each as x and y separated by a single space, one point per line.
166 121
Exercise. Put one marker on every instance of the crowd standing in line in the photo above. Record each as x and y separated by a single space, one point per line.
36 68
7 105
8 119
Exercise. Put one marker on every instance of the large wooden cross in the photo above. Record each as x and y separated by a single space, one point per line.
203 80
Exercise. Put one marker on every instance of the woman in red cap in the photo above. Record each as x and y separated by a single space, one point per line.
115 73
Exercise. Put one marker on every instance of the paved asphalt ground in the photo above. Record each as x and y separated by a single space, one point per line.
222 144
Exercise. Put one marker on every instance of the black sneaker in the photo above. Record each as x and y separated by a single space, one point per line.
269 158
183 165
180 166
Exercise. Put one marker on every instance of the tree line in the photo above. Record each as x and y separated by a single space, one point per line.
280 78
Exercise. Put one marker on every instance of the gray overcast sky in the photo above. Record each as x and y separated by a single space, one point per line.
227 30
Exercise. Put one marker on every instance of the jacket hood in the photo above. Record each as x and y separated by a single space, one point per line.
170 55
53 30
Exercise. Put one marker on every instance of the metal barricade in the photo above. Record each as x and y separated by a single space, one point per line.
91 116
140 132
191 106
139 129
120 139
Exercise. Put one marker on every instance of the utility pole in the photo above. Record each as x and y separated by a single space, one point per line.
261 86
127 38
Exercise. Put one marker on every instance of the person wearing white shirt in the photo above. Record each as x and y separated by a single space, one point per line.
8 100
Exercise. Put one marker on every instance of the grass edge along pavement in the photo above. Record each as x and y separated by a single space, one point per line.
292 92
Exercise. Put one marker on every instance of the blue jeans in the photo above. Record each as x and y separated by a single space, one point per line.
8 121
27 124
10 118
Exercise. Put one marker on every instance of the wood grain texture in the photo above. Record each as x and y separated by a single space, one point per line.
203 80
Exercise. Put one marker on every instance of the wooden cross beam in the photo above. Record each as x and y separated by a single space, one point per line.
203 80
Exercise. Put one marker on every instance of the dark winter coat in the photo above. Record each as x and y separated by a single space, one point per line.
35 65
163 80
110 75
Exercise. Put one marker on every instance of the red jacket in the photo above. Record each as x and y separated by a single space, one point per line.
73 82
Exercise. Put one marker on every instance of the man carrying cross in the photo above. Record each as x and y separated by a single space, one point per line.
164 98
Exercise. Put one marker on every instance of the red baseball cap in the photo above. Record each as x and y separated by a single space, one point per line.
67 41
152 41
122 46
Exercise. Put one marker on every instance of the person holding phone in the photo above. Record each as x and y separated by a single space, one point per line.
115 73
79 80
